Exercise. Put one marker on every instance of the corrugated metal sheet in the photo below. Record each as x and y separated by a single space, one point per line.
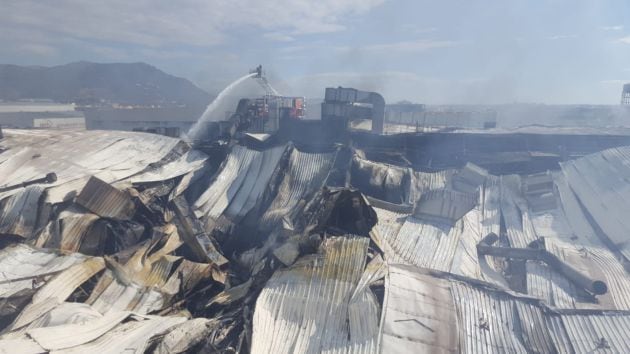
600 181
581 230
383 181
615 275
487 321
424 181
57 290
425 244
307 308
445 204
188 162
306 173
18 213
20 264
76 155
388 225
597 262
70 335
66 313
20 346
533 331
217 197
427 312
68 231
193 233
418 314
442 246
569 235
255 183
74 229
515 213
591 332
113 293
547 284
146 281
104 200
129 337
240 184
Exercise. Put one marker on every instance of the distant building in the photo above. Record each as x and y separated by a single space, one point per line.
59 123
170 121
625 95
419 115
40 114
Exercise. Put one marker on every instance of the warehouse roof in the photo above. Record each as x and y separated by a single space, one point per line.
273 250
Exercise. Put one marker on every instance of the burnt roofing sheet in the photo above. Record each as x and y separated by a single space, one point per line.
308 307
75 156
240 184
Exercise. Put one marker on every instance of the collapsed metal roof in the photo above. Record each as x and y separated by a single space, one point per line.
145 243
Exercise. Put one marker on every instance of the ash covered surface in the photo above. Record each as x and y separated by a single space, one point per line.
145 244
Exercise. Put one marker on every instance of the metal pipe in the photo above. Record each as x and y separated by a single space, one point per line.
50 178
596 287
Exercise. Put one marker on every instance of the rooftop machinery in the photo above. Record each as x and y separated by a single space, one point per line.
343 105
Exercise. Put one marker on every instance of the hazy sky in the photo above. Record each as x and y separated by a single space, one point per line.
453 51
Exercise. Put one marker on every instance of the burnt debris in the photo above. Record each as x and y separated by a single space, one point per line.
144 243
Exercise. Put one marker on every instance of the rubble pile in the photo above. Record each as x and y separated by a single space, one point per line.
123 247
144 244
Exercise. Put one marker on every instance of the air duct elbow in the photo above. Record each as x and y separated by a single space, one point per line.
378 112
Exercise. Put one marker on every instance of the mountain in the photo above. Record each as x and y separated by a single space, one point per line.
89 83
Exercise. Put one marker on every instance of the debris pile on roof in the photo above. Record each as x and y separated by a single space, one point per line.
145 244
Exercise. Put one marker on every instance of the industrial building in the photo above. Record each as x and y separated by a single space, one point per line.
169 121
40 114
345 234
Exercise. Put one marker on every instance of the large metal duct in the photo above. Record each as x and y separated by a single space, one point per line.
536 253
347 104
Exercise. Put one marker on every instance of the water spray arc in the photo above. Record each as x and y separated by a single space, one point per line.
210 114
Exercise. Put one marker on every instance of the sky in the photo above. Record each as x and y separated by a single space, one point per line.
435 52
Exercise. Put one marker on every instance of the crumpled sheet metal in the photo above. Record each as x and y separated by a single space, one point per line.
75 156
193 233
440 245
93 192
600 182
387 182
105 200
54 325
120 289
595 261
131 336
306 308
240 184
70 230
568 234
70 335
146 283
306 173
19 212
73 329
425 311
177 165
22 266
333 287
57 290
